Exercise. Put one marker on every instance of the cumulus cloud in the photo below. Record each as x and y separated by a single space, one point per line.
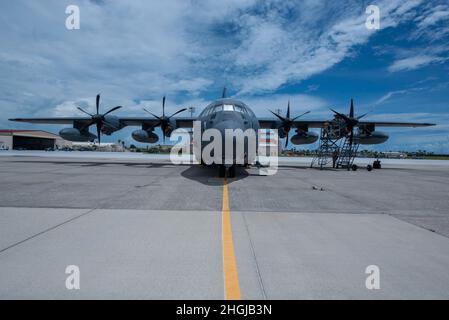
134 53
176 47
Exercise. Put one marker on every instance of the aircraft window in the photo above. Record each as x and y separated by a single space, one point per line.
240 109
228 107
218 108
206 112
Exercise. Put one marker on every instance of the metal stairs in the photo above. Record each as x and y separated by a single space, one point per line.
347 153
329 138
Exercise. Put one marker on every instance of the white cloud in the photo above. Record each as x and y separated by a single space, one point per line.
391 94
433 15
433 22
299 103
414 62
175 47
134 53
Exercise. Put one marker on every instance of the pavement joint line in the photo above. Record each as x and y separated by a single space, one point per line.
46 230
253 251
230 274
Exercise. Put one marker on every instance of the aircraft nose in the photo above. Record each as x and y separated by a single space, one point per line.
229 124
229 156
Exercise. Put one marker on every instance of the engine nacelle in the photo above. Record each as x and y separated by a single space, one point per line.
73 134
282 133
375 137
304 138
145 136
111 125
170 128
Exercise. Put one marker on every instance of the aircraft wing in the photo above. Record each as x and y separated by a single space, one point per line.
151 122
394 124
138 121
64 120
272 123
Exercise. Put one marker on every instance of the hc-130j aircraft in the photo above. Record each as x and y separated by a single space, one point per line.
222 114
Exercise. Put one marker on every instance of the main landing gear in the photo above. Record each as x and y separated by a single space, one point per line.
222 171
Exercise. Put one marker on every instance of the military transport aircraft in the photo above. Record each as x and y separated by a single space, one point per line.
222 114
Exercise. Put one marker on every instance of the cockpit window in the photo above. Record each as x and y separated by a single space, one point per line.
228 107
240 109
225 107
218 108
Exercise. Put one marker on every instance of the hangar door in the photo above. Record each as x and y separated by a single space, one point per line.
32 143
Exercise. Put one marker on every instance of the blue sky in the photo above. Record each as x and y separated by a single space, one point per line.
318 54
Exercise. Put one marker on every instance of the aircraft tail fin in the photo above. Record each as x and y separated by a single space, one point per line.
225 93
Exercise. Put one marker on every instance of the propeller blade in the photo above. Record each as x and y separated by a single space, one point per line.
179 111
163 107
286 140
157 117
97 103
280 117
351 110
300 115
341 115
80 109
99 132
224 94
363 115
112 110
288 110
351 137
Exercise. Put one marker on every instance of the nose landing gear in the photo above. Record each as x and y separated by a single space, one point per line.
222 171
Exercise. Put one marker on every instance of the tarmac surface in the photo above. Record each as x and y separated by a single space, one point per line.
140 227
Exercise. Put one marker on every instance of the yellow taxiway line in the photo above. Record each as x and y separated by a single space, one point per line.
231 279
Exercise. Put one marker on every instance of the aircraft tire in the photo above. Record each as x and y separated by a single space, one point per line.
221 171
231 172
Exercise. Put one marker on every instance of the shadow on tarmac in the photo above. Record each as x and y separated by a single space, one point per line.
208 175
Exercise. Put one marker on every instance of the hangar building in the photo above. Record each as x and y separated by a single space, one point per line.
31 140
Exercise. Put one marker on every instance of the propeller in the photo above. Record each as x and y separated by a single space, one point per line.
164 121
350 120
98 119
287 122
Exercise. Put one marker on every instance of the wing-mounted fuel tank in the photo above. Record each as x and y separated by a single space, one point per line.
375 137
145 136
304 137
367 134
75 135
